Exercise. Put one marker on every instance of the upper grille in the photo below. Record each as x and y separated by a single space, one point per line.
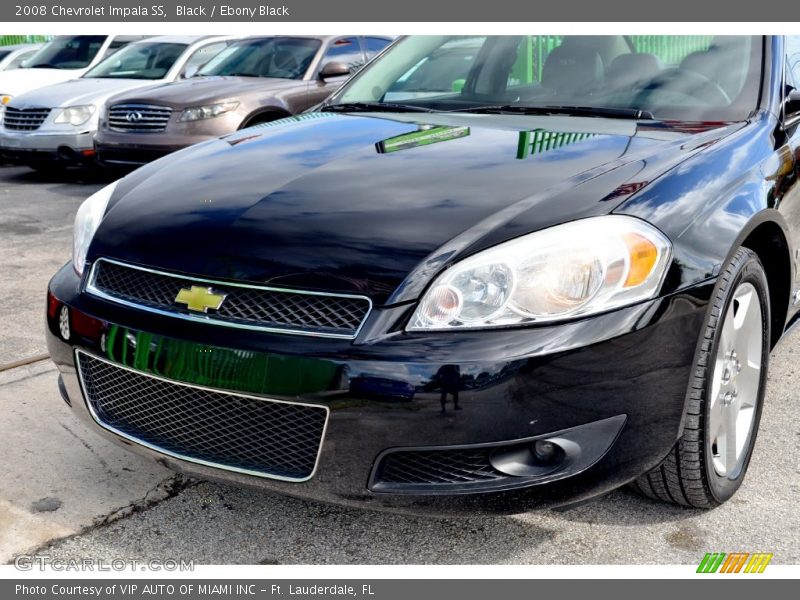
410 469
257 436
138 117
24 119
249 306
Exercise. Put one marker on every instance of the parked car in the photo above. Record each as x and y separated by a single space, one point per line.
588 246
63 58
257 80
12 57
54 127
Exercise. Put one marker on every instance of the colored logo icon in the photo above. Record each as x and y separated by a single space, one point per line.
736 562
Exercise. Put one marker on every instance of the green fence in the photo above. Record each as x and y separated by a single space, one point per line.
671 49
9 40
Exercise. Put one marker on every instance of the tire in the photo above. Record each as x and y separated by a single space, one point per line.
263 118
704 469
48 168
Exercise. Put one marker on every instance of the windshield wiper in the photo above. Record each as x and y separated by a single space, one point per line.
43 66
577 111
374 107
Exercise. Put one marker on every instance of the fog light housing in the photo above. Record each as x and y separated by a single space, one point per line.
545 451
535 459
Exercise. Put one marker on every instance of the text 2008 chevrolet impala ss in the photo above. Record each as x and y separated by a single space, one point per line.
560 273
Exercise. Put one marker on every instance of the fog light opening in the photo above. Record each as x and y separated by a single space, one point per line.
537 458
66 153
63 323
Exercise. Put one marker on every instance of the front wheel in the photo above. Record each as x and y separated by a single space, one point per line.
726 393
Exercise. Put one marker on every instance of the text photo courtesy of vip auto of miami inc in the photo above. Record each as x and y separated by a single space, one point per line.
273 298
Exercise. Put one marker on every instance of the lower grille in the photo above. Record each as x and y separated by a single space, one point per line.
24 119
257 436
139 117
455 467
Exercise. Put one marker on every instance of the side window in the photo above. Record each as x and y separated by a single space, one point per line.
201 56
17 61
793 59
442 72
114 46
346 50
374 45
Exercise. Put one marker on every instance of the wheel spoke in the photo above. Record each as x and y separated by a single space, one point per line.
736 379
730 420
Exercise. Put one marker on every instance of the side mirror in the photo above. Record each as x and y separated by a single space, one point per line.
190 71
792 103
334 69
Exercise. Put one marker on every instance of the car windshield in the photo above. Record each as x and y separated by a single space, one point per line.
139 61
281 57
67 52
688 78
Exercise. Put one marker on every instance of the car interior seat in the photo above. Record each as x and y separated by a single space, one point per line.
574 70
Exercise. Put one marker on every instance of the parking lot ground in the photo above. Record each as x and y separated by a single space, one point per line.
36 215
69 494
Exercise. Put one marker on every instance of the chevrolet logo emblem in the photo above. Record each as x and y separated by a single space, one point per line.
200 299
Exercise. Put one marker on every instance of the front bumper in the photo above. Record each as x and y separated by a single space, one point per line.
627 371
120 148
31 147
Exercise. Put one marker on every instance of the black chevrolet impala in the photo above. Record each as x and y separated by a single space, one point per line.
523 276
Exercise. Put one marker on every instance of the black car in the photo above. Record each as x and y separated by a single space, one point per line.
578 256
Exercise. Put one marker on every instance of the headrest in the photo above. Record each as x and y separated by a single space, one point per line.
573 68
725 62
631 70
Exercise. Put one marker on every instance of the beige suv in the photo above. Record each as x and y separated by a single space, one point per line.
256 80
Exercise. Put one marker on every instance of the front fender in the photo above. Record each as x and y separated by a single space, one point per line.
709 204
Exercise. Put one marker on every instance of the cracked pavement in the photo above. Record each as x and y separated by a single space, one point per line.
68 493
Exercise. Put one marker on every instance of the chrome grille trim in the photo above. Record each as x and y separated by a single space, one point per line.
264 475
151 118
211 319
24 119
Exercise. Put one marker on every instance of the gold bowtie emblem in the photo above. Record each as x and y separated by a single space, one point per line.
200 299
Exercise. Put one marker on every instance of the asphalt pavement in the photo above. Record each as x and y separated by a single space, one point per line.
67 493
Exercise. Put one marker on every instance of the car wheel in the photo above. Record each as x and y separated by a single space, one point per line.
725 396
53 168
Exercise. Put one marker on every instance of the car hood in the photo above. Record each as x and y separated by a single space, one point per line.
78 92
19 81
204 90
373 204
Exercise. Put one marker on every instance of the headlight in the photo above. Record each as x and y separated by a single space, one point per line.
207 112
88 219
576 269
75 115
5 99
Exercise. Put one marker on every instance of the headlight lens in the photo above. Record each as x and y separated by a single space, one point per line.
75 115
5 99
88 219
198 113
576 269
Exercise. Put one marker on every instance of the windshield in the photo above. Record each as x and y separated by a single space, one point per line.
67 52
690 78
285 58
139 61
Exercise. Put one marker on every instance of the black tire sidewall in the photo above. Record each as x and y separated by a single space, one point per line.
745 268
